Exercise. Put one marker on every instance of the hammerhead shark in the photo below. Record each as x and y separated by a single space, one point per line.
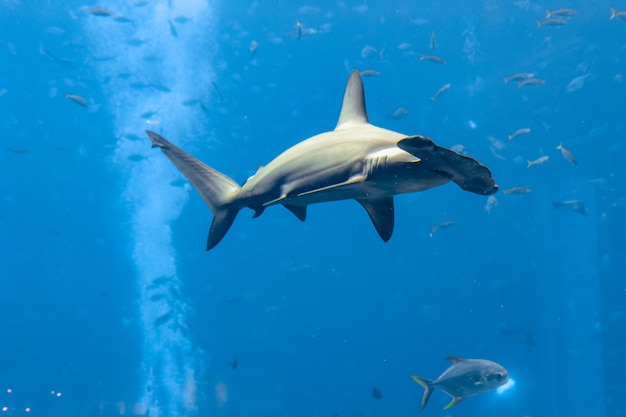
356 160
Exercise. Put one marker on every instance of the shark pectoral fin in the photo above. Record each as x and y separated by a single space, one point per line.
299 211
454 402
352 180
381 214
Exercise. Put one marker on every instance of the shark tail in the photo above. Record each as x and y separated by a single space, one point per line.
428 386
216 189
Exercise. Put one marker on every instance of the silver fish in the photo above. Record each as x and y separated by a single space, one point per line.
463 379
432 58
577 206
445 87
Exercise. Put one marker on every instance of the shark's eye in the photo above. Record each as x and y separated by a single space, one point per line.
499 376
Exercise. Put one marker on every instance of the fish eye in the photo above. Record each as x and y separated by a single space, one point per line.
499 376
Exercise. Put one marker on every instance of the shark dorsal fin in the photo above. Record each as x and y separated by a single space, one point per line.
454 359
353 108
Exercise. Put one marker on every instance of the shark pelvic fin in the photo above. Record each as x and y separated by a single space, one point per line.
382 215
216 189
299 211
353 108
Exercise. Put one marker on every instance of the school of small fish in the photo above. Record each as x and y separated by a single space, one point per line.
373 59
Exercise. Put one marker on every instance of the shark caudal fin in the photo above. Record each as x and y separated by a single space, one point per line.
216 189
427 384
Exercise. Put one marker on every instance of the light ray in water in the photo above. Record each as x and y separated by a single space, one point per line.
170 367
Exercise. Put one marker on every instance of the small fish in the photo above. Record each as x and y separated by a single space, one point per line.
376 393
369 73
77 99
517 190
518 132
100 11
368 51
182 19
530 81
135 42
615 13
463 379
560 12
551 22
491 203
442 225
433 40
157 297
445 87
298 30
234 364
173 30
161 320
520 76
577 206
51 230
432 58
400 113
538 161
458 148
577 83
123 19
217 91
254 46
567 154
520 334
18 150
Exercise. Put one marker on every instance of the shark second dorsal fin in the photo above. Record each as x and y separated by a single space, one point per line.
353 108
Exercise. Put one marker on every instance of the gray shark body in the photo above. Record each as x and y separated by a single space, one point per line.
356 160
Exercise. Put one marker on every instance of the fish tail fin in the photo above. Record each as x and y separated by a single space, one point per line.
427 384
538 23
510 138
560 147
548 13
613 13
216 189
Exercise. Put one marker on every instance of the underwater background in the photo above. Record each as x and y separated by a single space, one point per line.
111 306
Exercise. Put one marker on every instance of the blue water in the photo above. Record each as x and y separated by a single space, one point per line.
110 305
